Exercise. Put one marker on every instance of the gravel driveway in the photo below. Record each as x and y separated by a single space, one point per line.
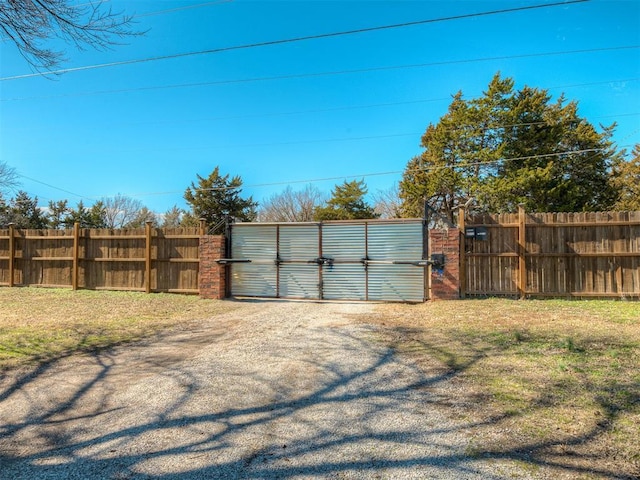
270 390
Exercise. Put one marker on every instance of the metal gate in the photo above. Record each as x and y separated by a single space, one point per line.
356 260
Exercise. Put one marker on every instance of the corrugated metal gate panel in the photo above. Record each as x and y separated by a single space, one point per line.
299 281
253 241
395 241
399 243
403 283
299 243
344 281
282 255
258 244
254 280
344 242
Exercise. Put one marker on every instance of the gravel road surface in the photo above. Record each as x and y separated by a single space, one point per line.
272 389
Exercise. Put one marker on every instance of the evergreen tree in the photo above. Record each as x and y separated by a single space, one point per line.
625 179
216 198
57 213
347 203
510 147
172 217
25 213
94 217
143 216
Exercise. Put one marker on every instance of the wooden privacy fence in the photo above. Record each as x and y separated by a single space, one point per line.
551 254
145 259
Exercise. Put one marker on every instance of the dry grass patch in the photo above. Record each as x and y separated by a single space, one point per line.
554 384
39 325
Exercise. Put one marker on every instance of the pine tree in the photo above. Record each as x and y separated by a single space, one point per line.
347 203
217 198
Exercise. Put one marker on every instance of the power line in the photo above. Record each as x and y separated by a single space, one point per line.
323 74
345 177
54 187
179 9
343 139
298 39
364 175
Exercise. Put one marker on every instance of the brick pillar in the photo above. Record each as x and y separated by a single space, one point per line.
445 283
212 277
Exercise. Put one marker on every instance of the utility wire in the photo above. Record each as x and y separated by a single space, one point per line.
394 172
321 74
298 39
346 139
344 177
54 187
179 9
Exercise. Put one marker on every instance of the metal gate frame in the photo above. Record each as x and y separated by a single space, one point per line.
323 263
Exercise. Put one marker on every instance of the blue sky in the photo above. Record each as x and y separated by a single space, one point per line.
352 106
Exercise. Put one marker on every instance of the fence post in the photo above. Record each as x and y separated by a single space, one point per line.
76 255
147 257
12 253
463 258
522 243
203 227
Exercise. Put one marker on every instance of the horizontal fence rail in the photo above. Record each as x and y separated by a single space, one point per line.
144 259
551 254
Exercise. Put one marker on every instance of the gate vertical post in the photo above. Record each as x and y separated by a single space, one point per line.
463 257
320 277
76 254
522 244
12 253
147 257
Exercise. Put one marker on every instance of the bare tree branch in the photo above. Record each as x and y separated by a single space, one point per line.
8 177
30 24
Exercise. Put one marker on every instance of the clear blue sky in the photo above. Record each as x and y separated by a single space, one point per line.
99 132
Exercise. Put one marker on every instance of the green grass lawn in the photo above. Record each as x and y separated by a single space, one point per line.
38 324
553 383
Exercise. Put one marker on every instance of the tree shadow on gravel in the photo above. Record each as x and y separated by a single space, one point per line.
338 425
565 453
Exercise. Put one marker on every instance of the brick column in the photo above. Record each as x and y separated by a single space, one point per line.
445 284
212 277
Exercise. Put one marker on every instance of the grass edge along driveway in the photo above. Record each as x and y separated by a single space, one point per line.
553 383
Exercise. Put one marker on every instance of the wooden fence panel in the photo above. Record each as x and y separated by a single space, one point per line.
163 260
4 257
582 254
112 259
177 261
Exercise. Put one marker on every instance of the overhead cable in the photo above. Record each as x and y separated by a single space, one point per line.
321 74
296 39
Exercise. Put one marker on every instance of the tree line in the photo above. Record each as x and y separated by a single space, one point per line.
492 153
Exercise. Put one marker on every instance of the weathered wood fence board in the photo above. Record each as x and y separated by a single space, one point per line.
146 259
553 254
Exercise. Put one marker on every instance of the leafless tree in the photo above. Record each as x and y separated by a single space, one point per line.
291 206
121 211
30 24
387 202
8 177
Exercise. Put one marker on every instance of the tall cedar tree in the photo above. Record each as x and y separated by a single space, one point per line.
625 178
347 203
508 148
215 198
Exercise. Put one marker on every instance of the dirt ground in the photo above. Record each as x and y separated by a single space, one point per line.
269 390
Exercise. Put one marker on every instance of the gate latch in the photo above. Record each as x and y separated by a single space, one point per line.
322 261
226 261
437 261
